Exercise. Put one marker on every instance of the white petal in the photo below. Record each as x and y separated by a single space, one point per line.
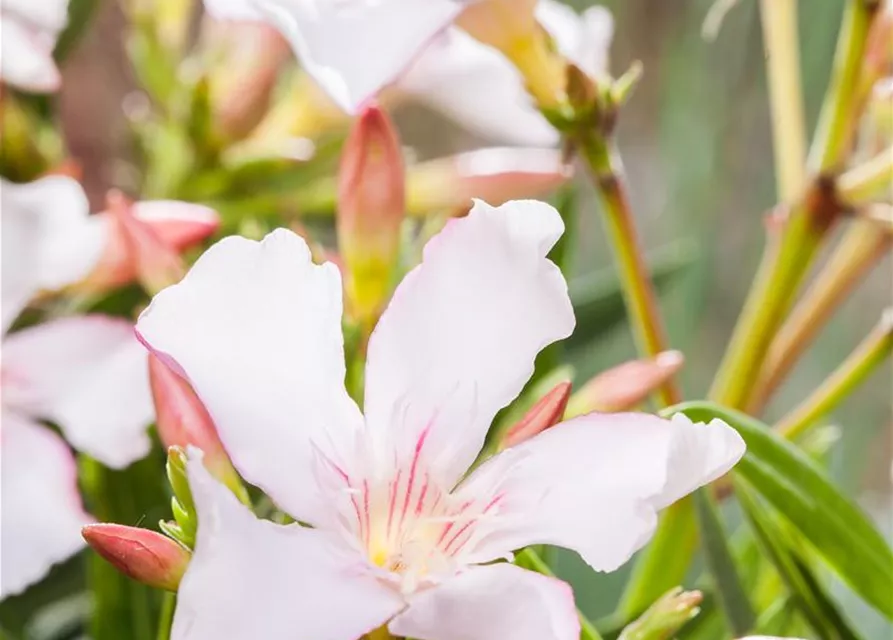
583 39
42 512
88 374
478 88
594 484
250 578
26 60
496 601
256 328
353 49
48 239
49 15
458 340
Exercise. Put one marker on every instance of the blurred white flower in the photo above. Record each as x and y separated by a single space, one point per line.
29 29
87 374
397 532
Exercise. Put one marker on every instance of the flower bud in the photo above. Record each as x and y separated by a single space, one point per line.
625 386
146 556
665 617
371 207
495 175
244 60
511 27
547 412
182 420
144 240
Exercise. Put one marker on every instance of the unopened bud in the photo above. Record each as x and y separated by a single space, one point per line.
146 556
626 385
495 175
665 617
371 208
245 60
547 412
182 420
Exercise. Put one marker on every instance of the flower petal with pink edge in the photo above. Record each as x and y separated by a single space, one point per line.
88 374
251 578
42 511
458 340
496 601
178 224
47 239
594 484
477 87
353 49
584 39
255 327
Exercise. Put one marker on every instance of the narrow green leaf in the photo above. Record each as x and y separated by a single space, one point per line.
801 492
807 593
730 592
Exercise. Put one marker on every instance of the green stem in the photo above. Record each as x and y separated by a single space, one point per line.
838 120
606 171
788 259
860 249
166 618
531 560
782 48
849 375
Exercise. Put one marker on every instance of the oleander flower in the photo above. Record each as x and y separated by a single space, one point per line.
403 532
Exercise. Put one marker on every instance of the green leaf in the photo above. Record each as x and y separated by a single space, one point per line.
730 592
801 492
598 299
807 593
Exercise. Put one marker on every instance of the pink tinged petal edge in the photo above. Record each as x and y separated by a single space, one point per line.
42 513
49 239
88 374
495 601
251 578
458 340
354 49
594 484
255 327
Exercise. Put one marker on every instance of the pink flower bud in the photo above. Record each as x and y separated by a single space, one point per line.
547 412
495 175
144 240
371 207
625 386
146 556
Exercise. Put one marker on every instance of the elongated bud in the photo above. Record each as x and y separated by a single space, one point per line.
146 556
547 412
244 59
665 617
626 385
182 420
496 175
371 208
511 27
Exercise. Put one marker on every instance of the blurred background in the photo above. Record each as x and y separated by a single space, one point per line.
696 143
